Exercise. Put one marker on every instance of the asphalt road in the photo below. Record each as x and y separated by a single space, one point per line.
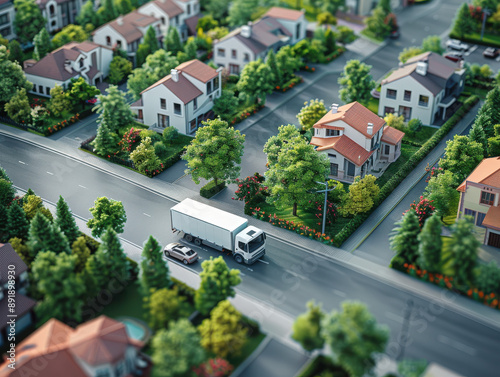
287 278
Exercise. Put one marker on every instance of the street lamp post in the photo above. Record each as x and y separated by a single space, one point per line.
486 13
326 190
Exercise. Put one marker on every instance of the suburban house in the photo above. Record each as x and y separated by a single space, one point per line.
425 87
85 59
127 32
278 27
364 7
182 99
355 140
7 15
177 13
97 348
59 13
10 261
479 198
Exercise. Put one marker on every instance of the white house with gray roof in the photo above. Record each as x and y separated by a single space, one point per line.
278 27
425 87
7 15
59 13
182 99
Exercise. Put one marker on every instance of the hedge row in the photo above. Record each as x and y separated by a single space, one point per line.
246 113
412 143
210 189
477 40
289 84
406 169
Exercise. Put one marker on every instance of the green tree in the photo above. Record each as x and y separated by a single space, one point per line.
356 82
15 52
119 69
395 121
3 223
223 334
361 195
217 8
69 33
325 18
28 20
42 44
190 49
225 105
332 6
206 23
354 337
62 289
82 252
307 328
155 273
442 190
95 274
21 249
13 79
287 63
477 134
58 100
80 91
344 34
330 45
488 278
88 16
404 240
432 43
166 305
107 11
43 236
7 192
66 221
145 158
215 153
256 81
409 52
18 108
177 350
430 245
461 157
33 204
106 213
116 262
114 108
464 247
147 47
311 113
17 223
375 23
106 141
464 23
173 42
273 67
123 6
241 11
490 111
217 284
494 142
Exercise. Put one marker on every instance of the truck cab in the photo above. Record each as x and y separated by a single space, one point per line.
250 245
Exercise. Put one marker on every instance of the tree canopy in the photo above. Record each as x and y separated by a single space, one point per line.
28 20
356 82
310 113
106 213
256 80
12 75
307 328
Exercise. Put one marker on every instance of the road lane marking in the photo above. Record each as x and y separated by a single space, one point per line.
263 261
50 173
145 214
339 293
82 186
297 275
249 269
459 346
394 317
24 163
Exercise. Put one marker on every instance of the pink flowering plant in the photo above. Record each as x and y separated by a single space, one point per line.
423 208
251 190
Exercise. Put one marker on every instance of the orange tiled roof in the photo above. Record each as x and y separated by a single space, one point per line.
324 142
492 218
391 135
487 173
345 146
198 70
355 115
284 13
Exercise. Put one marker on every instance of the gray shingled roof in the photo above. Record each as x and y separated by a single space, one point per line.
8 256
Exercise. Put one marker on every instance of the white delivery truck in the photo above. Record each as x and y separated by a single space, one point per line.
203 224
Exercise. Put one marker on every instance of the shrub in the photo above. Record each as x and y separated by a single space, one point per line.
161 150
151 134
326 18
210 189
130 140
170 133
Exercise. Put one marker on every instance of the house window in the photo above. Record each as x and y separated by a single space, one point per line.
407 96
34 88
209 87
388 110
80 63
487 198
162 20
234 54
163 120
108 41
221 52
5 31
405 112
4 19
469 212
177 109
332 155
119 44
47 90
297 31
176 19
246 57
52 11
332 132
216 83
334 169
189 9
480 218
391 93
40 89
234 69
192 125
387 149
163 103
195 103
139 114
423 101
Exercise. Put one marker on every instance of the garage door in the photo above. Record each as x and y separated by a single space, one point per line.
494 240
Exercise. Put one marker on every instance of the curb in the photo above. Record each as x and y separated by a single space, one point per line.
250 359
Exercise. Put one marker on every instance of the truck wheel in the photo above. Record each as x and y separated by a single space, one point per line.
197 242
189 238
238 258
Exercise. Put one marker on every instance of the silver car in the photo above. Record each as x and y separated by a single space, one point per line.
181 252
455 44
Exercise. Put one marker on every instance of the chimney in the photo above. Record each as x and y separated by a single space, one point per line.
246 30
29 63
369 129
334 107
119 20
175 75
422 68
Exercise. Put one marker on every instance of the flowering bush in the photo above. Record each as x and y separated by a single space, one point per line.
309 68
290 84
423 208
434 172
62 124
130 140
331 212
214 368
249 188
246 113
38 115
91 101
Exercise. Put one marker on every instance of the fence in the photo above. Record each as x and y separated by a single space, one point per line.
23 126
86 144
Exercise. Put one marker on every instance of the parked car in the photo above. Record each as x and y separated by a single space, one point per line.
181 252
455 44
394 34
491 52
454 56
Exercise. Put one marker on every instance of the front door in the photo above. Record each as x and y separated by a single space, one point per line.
494 240
163 121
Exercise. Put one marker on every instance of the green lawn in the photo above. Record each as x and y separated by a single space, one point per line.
422 135
250 346
323 366
369 35
406 152
127 303
446 257
488 39
372 105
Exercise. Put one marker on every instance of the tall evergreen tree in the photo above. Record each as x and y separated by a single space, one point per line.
82 252
155 273
7 192
430 245
66 221
273 67
95 273
42 44
13 78
464 247
106 141
40 235
404 240
477 134
59 243
17 223
28 20
464 23
3 175
147 47
173 41
123 6
117 265
330 44
15 52
114 108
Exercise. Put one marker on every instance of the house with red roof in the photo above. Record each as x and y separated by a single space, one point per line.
355 139
278 27
97 348
13 269
71 61
424 88
183 99
479 198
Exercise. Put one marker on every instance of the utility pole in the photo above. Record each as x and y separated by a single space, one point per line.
326 190
486 13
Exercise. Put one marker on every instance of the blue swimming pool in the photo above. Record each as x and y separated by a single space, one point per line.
135 329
